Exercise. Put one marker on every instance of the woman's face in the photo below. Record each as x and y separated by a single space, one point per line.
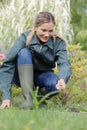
44 31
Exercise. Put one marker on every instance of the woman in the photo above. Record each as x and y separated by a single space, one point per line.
31 61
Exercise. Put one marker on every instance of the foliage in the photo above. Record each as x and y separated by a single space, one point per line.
78 62
76 91
79 15
81 38
17 16
14 20
78 80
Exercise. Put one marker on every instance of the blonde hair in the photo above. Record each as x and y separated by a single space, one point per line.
41 18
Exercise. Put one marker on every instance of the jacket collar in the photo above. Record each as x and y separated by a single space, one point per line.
49 43
34 40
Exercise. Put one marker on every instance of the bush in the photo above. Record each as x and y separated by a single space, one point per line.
76 90
82 39
78 62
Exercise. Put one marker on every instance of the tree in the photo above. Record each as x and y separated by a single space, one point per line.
79 15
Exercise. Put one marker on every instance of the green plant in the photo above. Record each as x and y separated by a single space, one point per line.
17 16
81 38
76 88
78 62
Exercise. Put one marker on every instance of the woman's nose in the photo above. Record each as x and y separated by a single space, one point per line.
47 34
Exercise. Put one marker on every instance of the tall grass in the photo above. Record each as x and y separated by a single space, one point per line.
17 16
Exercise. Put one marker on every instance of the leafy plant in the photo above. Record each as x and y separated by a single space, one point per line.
81 38
78 61
17 16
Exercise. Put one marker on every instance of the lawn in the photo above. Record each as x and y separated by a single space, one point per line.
72 115
50 118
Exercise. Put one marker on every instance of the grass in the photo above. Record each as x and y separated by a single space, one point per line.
41 119
70 116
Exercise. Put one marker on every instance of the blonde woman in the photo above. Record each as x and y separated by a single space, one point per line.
31 60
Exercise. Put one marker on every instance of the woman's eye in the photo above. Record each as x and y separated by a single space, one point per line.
44 30
51 31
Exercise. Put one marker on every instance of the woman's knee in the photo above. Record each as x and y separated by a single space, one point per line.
24 56
24 52
51 86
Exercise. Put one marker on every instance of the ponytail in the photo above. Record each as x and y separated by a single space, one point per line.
30 36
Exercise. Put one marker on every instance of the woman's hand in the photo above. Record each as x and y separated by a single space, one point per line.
61 85
6 103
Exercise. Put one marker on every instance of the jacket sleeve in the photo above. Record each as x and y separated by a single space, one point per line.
8 68
63 63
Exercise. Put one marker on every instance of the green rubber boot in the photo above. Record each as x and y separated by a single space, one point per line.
26 81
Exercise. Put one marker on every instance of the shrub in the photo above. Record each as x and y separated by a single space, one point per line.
76 90
81 38
78 62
